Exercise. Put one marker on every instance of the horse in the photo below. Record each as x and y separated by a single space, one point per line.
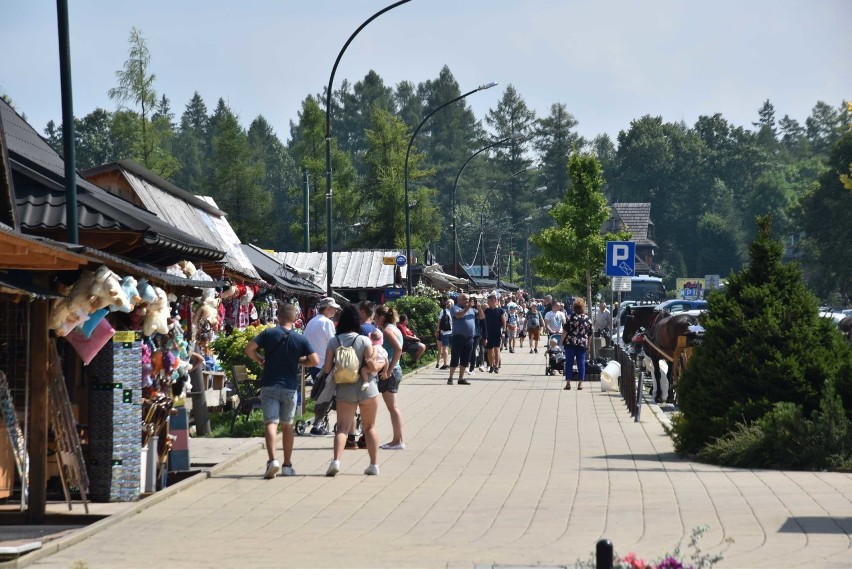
845 327
659 339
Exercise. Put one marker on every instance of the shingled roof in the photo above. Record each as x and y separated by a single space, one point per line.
636 218
38 174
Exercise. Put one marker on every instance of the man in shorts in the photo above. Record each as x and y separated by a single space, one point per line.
284 351
465 312
495 324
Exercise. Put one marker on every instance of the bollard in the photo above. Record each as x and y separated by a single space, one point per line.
603 554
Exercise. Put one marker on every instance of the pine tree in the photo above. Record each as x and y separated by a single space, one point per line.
555 140
191 149
764 343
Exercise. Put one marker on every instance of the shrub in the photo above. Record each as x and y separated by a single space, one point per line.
764 344
422 314
230 350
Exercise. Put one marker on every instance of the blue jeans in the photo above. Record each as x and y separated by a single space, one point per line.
570 353
279 404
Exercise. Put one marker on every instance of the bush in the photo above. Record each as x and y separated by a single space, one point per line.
422 315
230 350
764 344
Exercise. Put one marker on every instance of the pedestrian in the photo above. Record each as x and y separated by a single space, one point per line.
385 318
365 313
361 395
522 324
555 318
495 323
603 323
476 346
444 333
512 326
319 331
533 326
464 313
283 352
576 340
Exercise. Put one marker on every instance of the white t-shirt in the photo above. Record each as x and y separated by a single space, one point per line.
554 321
318 332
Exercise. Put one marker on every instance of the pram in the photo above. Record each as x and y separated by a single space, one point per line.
554 356
325 403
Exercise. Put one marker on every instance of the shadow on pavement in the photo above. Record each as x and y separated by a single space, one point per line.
817 524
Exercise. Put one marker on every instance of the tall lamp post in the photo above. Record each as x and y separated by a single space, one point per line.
514 136
407 152
328 193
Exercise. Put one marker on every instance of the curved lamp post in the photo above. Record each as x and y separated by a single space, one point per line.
514 136
328 194
407 152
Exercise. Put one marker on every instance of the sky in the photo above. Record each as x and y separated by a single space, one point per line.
608 61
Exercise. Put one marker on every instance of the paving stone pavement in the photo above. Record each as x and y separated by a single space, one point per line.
509 471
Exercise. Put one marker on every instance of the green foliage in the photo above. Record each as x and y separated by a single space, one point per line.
230 350
422 314
785 438
764 344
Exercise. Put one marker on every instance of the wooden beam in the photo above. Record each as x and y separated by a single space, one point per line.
38 411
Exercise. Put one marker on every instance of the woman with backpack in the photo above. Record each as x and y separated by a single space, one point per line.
444 333
348 351
533 326
385 318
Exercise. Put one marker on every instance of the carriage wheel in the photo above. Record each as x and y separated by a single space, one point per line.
300 427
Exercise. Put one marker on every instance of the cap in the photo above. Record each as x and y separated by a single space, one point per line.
326 302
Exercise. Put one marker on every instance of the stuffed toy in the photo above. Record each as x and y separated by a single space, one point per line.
146 291
188 268
228 292
128 286
207 315
69 312
156 318
106 289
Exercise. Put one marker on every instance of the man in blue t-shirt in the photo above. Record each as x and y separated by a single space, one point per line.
284 351
464 314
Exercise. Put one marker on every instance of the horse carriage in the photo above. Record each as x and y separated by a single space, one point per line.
663 336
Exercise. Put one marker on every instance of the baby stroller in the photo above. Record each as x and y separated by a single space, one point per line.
554 356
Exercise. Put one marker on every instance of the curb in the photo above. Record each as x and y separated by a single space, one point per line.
87 531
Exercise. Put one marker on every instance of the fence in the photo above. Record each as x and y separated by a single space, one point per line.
629 384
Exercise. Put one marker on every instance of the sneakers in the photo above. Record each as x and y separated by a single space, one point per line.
372 470
449 382
333 468
389 446
320 432
536 350
272 468
531 350
445 366
288 471
481 368
496 369
464 382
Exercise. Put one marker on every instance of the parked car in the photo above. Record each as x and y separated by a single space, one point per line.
677 305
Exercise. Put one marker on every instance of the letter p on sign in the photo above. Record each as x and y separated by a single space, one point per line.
620 258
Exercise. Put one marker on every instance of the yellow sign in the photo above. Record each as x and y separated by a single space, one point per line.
125 336
389 260
690 289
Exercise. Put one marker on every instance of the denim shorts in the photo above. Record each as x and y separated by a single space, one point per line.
279 404
391 384
446 337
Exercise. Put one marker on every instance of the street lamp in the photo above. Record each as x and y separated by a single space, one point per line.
328 194
513 136
407 152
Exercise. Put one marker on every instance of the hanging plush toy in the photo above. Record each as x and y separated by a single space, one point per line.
188 268
128 286
156 318
146 291
106 289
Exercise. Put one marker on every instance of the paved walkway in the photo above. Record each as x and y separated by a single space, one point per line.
511 470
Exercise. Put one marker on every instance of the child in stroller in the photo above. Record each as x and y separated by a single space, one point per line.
555 356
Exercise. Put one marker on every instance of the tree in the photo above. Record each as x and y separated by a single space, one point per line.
823 127
554 141
575 250
136 84
408 104
234 180
353 112
190 146
94 144
766 132
764 343
381 191
604 151
824 217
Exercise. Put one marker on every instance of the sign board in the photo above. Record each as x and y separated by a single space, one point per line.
620 258
401 260
690 289
621 284
394 292
389 260
711 282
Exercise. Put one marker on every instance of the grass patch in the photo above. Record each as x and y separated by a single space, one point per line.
220 423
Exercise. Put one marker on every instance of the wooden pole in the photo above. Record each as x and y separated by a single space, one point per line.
38 419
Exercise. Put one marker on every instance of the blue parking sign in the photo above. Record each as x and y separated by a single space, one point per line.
620 258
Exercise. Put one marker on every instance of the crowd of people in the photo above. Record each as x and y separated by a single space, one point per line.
352 356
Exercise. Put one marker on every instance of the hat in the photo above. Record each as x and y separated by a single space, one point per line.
326 302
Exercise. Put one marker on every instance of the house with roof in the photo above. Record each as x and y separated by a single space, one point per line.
197 215
636 218
356 275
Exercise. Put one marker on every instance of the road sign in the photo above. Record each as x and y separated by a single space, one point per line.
401 260
620 258
394 292
389 260
622 284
